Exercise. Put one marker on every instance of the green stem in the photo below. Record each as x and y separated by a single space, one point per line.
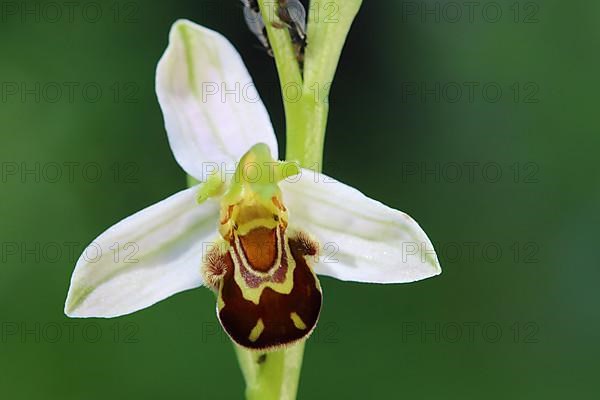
306 132
305 103
275 375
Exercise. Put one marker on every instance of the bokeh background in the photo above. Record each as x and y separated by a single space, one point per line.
480 121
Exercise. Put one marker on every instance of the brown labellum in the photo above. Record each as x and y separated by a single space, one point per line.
269 295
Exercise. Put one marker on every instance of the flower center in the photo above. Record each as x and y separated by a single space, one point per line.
268 293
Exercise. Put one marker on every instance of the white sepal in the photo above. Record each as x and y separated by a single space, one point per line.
362 239
144 258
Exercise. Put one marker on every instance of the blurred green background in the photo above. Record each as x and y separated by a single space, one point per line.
482 126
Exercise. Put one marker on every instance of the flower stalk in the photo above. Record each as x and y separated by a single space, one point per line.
275 375
271 376
306 95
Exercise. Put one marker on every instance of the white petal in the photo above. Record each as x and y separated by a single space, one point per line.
213 113
362 240
143 259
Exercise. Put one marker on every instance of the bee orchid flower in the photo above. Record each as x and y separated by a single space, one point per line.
265 219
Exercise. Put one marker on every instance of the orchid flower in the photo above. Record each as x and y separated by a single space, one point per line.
252 229
376 243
